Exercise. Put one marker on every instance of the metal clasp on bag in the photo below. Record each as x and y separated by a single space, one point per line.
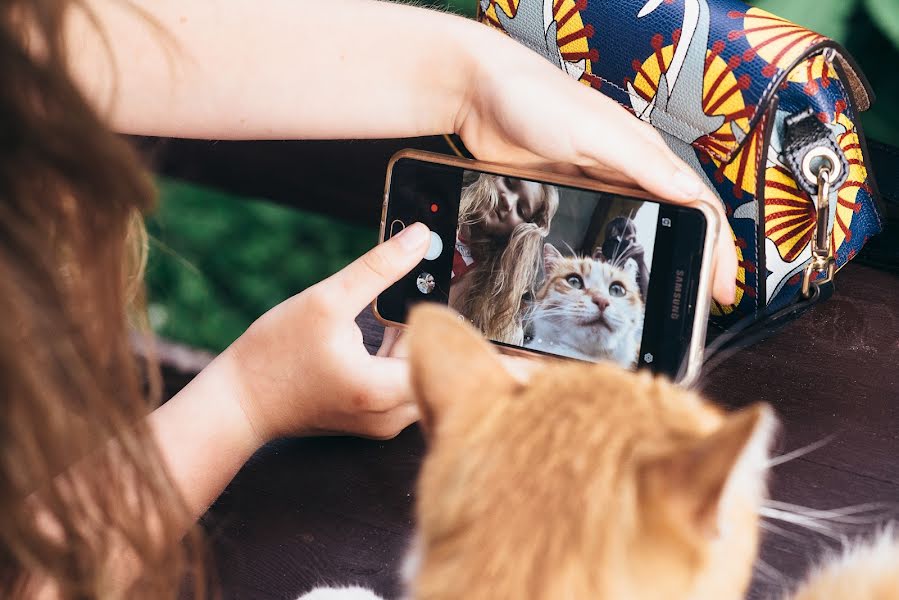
820 166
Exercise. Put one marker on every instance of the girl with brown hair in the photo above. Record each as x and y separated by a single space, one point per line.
97 485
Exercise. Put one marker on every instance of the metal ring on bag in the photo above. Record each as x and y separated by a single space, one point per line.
826 154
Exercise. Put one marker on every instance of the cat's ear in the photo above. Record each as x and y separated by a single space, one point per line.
551 257
451 363
694 482
598 255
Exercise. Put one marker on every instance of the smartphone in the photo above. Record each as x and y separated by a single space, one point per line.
552 265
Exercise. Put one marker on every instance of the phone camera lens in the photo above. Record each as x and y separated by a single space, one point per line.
425 283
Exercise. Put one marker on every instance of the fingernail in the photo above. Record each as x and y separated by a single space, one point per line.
412 237
687 184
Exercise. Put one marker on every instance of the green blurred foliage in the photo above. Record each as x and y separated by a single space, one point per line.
217 262
468 8
869 30
827 17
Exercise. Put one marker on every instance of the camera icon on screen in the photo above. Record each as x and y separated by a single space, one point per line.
666 222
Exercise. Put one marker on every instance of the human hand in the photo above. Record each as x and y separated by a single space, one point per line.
302 368
393 344
521 110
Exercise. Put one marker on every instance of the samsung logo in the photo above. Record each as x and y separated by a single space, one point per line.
678 293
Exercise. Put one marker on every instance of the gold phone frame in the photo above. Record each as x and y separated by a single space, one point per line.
688 372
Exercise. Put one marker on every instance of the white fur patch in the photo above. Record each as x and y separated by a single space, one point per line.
412 562
866 570
346 593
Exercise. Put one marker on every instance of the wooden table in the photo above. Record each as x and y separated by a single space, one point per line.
305 512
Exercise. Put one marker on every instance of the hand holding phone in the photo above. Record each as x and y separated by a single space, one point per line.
550 265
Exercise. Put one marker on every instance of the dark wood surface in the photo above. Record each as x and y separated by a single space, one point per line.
338 510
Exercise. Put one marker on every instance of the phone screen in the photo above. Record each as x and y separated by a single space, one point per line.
553 269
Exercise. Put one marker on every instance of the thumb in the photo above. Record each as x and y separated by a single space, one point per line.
355 286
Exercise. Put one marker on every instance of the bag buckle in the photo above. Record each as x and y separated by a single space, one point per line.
820 166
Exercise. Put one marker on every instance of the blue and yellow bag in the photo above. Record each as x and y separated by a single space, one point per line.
765 110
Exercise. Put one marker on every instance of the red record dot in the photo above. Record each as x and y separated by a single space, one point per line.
434 208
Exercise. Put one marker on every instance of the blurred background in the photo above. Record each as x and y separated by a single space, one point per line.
218 261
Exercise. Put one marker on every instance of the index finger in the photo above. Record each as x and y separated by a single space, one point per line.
357 284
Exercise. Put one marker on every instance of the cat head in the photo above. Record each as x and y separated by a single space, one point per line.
586 481
590 295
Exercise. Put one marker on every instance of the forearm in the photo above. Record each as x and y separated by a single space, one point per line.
277 68
204 435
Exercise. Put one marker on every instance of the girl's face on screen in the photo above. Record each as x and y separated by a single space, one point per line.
519 201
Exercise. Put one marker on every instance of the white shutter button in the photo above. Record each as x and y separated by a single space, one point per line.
435 249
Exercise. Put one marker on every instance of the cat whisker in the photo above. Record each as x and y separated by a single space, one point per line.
534 315
567 311
860 514
790 535
770 573
557 308
831 523
812 524
825 513
799 452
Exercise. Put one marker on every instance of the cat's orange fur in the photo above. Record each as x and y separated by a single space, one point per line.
589 482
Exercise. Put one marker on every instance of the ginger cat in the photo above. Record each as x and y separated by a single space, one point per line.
586 482
587 308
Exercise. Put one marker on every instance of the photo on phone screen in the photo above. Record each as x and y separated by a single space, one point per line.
553 269
566 270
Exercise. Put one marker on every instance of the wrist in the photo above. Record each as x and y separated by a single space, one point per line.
204 434
468 46
229 403
230 374
486 54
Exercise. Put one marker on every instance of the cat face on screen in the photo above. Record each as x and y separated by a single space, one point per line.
587 482
587 308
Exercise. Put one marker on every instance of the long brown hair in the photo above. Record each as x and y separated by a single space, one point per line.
504 270
81 480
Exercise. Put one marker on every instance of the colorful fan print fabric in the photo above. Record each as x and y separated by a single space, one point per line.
717 79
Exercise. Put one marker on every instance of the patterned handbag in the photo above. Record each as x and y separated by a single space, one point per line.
764 110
